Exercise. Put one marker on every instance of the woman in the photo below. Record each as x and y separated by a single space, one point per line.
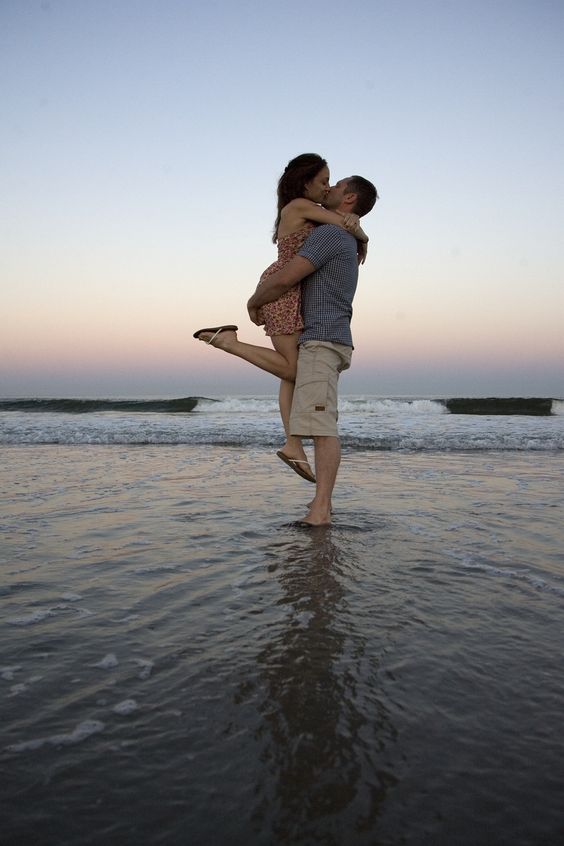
301 189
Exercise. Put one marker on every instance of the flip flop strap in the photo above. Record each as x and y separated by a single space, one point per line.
214 336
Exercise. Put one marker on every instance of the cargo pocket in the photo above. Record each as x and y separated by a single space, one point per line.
313 383
311 396
318 392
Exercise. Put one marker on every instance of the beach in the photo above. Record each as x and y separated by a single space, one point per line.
182 663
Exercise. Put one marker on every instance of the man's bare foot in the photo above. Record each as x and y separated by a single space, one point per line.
317 517
309 505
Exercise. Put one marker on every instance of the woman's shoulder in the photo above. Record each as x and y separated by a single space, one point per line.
297 206
295 215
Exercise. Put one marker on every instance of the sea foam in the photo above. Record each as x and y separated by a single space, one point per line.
80 733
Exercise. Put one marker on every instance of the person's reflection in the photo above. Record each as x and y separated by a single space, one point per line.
322 726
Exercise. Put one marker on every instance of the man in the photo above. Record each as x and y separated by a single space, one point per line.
327 265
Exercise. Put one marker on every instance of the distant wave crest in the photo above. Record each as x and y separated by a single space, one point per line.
536 406
88 406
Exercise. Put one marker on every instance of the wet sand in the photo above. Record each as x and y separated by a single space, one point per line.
181 663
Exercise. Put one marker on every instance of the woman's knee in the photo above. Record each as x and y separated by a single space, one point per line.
290 371
287 347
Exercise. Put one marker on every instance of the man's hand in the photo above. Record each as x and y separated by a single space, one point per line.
351 222
253 312
278 283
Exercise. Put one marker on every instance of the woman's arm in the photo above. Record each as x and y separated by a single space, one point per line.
303 209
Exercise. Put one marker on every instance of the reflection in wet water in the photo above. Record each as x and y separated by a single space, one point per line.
324 730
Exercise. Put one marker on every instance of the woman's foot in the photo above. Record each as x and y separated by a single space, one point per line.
294 447
298 465
220 337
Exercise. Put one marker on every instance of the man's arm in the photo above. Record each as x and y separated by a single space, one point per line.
280 282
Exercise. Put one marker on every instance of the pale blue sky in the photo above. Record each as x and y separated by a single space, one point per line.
141 146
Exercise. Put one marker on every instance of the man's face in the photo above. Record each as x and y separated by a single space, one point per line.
336 193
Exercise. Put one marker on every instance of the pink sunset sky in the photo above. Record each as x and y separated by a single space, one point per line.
139 161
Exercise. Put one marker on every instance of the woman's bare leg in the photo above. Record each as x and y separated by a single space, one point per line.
287 346
281 361
263 357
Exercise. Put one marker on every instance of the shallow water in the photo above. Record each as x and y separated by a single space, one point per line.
181 663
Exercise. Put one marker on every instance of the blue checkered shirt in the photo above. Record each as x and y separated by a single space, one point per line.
327 294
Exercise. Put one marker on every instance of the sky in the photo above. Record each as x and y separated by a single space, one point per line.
141 146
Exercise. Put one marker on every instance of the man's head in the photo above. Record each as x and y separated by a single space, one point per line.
352 194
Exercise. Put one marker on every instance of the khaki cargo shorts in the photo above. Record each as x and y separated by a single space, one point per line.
314 407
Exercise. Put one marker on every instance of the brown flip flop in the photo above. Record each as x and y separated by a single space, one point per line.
294 463
217 330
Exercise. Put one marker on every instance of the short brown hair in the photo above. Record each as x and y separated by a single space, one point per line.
366 194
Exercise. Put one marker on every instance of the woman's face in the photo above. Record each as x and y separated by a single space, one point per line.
316 190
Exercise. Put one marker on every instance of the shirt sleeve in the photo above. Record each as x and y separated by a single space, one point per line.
324 243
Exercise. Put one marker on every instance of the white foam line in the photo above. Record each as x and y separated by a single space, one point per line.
31 619
146 667
108 662
16 689
7 673
80 733
126 707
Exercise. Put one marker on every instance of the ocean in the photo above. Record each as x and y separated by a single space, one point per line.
366 423
182 663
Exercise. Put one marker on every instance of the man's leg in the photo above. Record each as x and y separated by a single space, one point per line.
327 460
314 414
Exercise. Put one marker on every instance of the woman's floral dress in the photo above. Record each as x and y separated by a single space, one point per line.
284 316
